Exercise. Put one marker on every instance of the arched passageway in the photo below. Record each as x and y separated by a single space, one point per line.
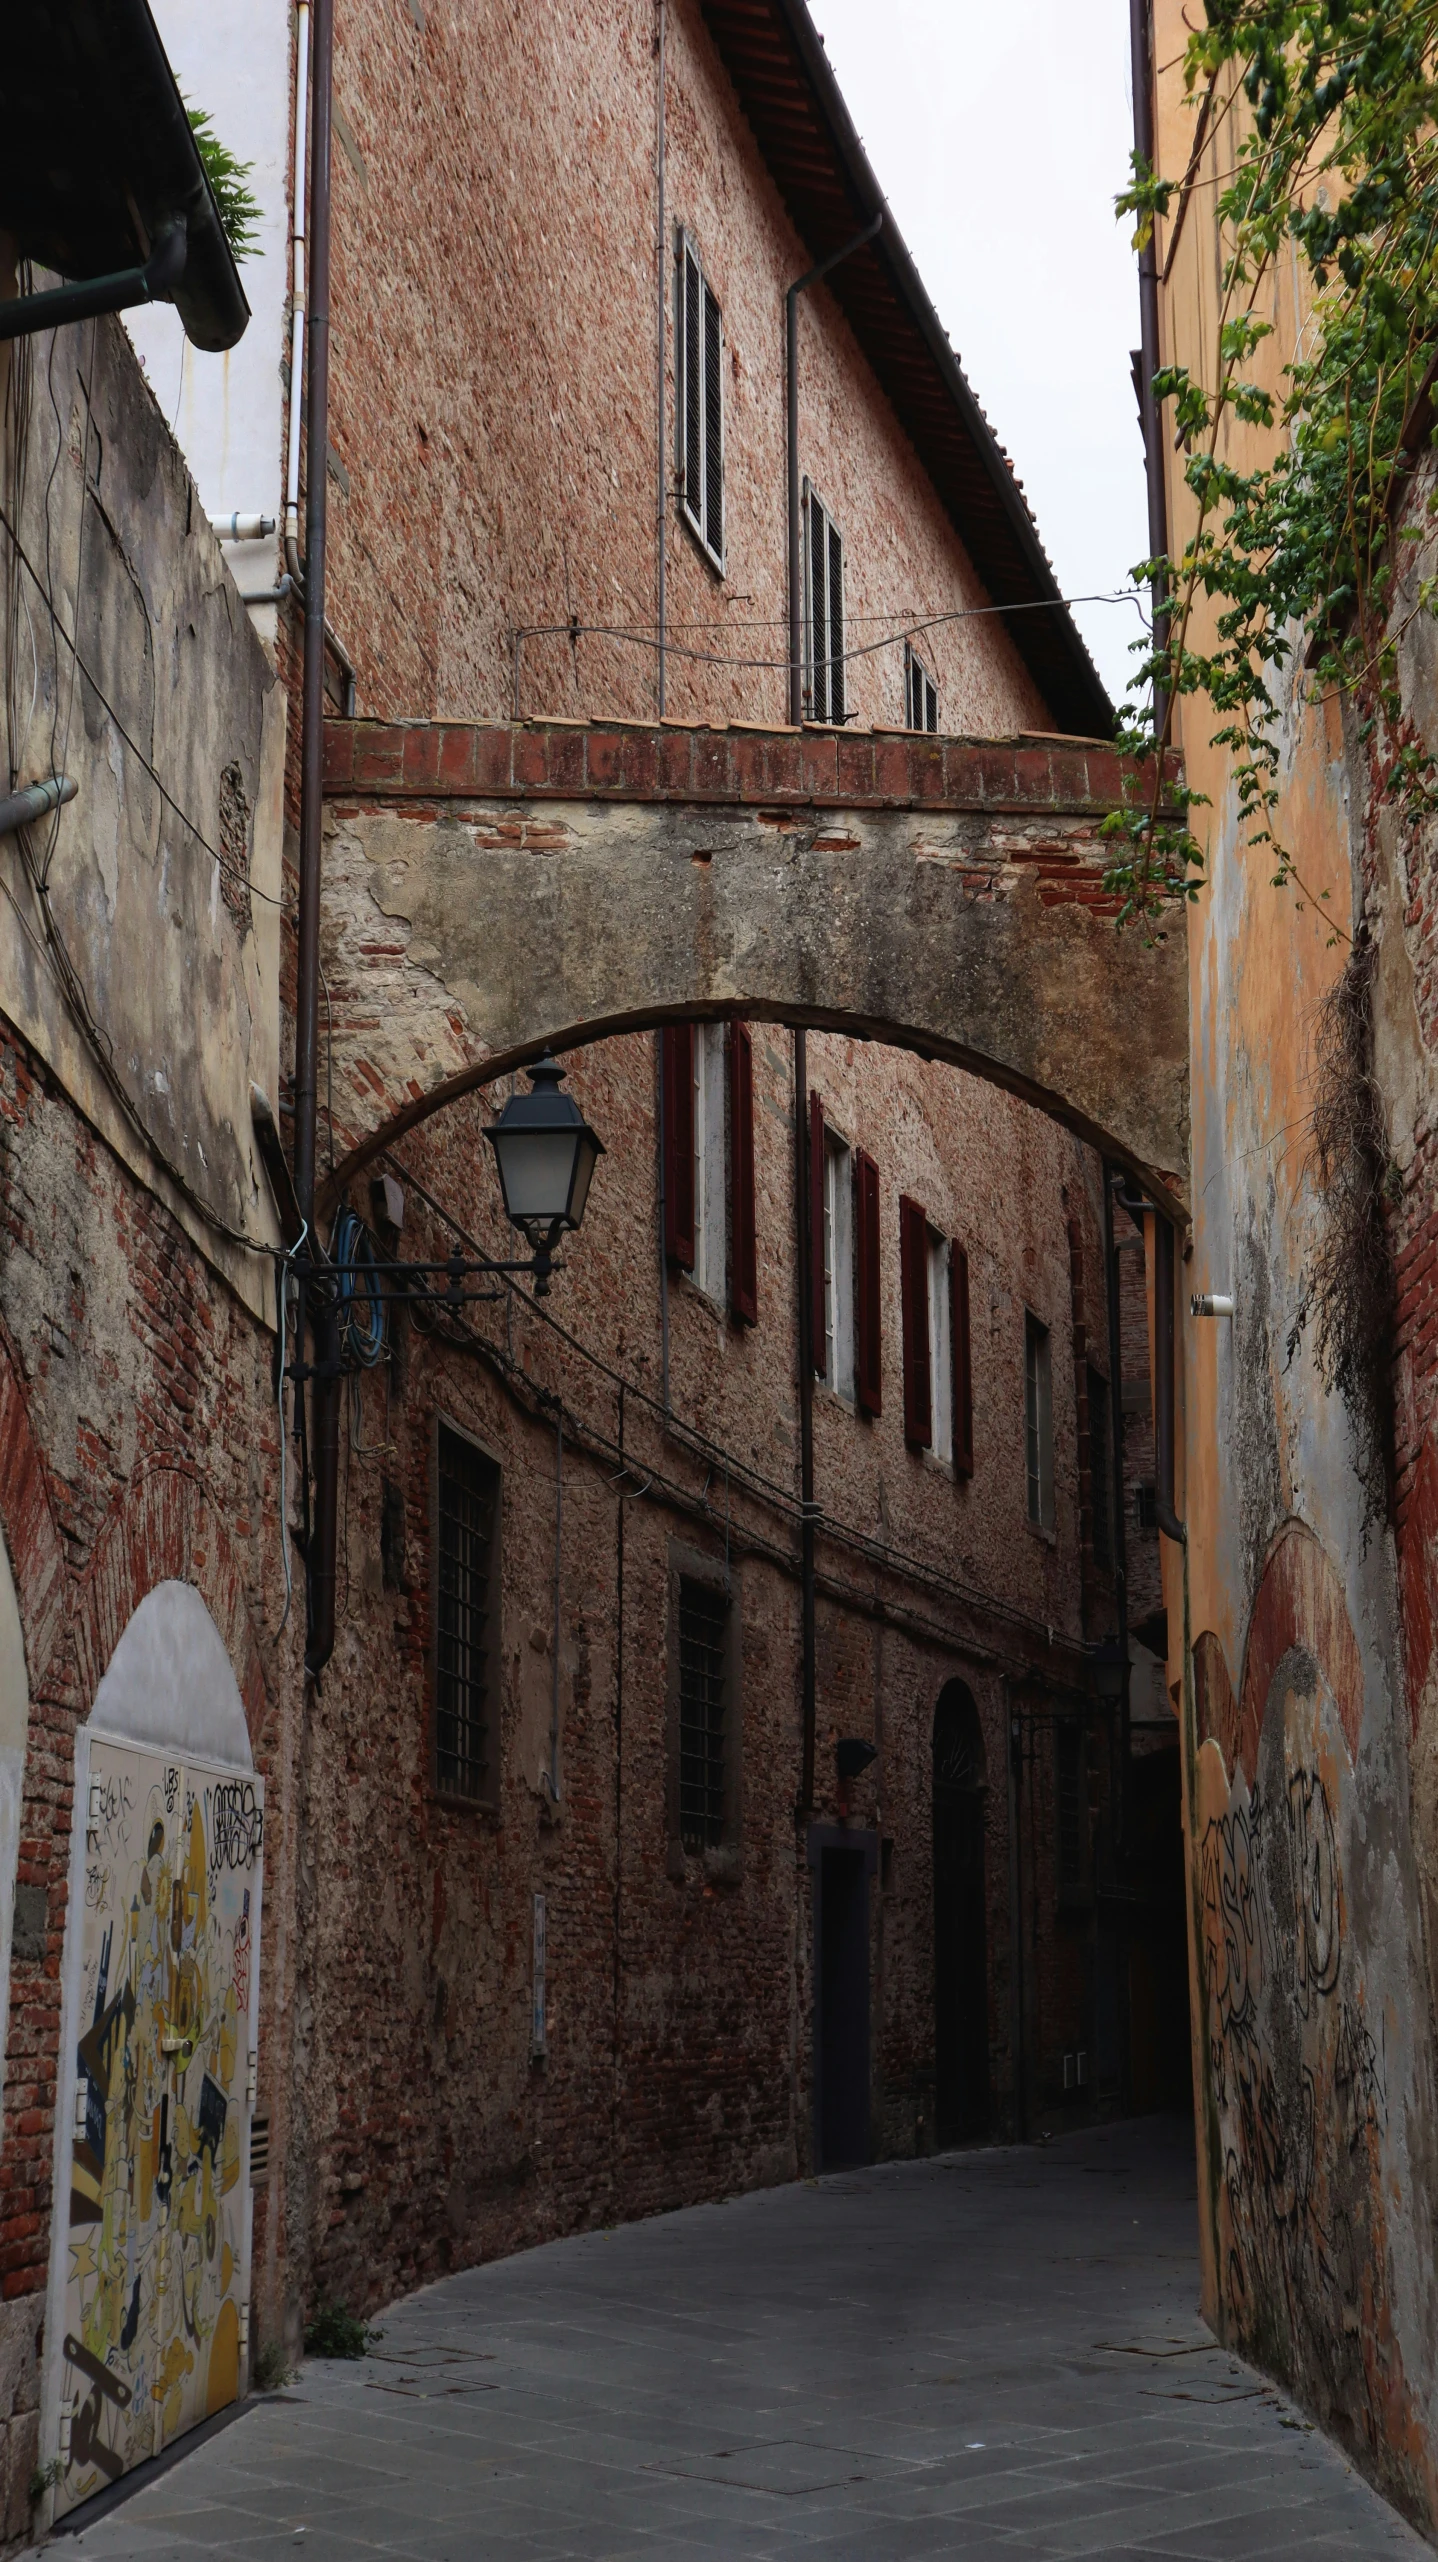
961 1993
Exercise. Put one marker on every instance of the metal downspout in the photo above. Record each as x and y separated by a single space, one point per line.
661 493
324 1393
791 410
1140 22
804 1259
1118 1519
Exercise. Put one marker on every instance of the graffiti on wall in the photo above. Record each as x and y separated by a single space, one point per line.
155 2274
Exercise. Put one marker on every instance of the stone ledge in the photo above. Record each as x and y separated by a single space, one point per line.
641 761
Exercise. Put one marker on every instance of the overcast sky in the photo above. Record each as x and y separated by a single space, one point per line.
1000 131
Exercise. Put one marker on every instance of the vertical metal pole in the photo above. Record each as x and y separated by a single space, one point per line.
791 416
1118 1516
804 1243
661 520
1013 1760
325 1399
1140 28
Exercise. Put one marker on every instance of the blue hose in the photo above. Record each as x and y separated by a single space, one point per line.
361 1306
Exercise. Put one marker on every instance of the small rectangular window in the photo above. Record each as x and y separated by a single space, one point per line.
941 1360
466 1551
743 1234
824 691
868 1310
1038 1423
700 405
921 694
703 1712
710 1204
838 1266
1068 1795
1100 1463
914 1306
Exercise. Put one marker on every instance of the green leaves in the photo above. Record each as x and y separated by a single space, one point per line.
1331 110
238 209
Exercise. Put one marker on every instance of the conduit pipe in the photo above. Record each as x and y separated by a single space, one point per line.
804 1241
294 582
325 1385
35 801
661 500
1140 24
1118 1519
791 405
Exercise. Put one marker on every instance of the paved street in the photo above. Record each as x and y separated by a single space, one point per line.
991 2353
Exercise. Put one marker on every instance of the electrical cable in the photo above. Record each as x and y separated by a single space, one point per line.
362 1335
286 906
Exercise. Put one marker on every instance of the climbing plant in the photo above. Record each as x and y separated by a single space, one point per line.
237 208
1323 113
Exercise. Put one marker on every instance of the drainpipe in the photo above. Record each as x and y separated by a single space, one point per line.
1140 26
1164 1269
1118 1531
661 490
1013 1758
804 1259
325 1387
791 361
293 582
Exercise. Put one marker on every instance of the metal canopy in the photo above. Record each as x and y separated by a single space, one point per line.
787 89
99 157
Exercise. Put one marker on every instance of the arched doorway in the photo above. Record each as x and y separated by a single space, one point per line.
147 2327
961 1989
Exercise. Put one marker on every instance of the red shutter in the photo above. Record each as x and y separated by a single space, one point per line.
867 1362
677 1054
816 1231
743 1246
963 1369
914 1291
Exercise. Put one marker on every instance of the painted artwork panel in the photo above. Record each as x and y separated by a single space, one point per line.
172 1872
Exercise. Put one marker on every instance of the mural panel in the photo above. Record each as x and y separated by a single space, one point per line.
157 2276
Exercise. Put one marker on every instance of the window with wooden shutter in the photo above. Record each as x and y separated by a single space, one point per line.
921 694
676 1054
823 612
1038 1423
816 1232
743 1239
868 1368
700 405
838 1361
914 1300
963 1361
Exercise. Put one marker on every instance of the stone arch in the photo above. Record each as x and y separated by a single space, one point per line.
37 1558
550 884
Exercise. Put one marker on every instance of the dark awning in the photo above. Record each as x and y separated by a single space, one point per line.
99 156
787 89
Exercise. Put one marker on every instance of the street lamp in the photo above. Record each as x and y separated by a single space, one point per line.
546 1153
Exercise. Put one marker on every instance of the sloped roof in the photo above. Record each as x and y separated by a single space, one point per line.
773 53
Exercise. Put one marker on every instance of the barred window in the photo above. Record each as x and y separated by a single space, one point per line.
465 1556
703 1705
700 405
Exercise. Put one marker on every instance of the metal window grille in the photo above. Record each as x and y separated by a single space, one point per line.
703 1683
1100 1454
700 422
467 1488
1068 1743
259 2151
921 694
824 612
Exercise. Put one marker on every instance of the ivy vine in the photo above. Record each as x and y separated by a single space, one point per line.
1323 112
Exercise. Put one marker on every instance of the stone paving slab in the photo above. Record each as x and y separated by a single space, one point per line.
992 2354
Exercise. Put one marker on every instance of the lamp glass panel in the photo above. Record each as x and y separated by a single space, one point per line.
585 1164
536 1168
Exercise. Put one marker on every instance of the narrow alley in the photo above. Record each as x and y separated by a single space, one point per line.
986 2353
